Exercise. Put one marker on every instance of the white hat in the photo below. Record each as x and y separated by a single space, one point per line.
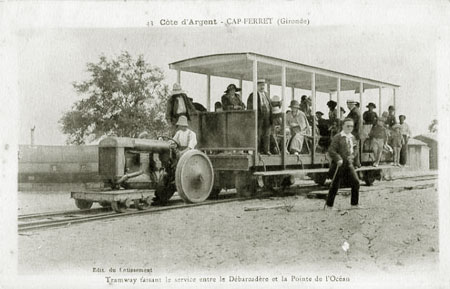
182 121
351 101
261 80
176 89
276 109
276 98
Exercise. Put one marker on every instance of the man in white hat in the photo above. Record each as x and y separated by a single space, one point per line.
178 104
186 138
354 114
299 126
264 117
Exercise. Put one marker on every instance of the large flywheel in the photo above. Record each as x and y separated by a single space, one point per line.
194 176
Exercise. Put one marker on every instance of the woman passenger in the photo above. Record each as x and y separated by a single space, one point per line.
231 99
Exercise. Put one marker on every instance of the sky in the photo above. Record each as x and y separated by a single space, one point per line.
51 59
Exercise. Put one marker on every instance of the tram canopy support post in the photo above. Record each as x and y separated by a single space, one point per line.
361 91
338 98
313 100
293 94
380 111
395 100
268 89
283 96
255 104
242 88
179 76
208 92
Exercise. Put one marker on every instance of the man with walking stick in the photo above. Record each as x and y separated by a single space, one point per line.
344 153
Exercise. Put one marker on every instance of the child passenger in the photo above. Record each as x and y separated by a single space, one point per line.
397 143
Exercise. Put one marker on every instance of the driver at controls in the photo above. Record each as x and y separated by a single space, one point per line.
186 138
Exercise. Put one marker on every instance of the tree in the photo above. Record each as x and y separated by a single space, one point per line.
124 96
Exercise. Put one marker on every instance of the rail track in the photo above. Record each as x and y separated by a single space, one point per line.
38 221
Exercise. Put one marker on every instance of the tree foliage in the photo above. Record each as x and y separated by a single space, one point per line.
123 96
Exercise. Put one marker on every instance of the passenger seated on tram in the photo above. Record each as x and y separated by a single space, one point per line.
198 106
186 138
231 100
218 106
323 127
276 136
298 124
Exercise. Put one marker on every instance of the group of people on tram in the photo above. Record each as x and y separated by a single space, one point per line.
383 132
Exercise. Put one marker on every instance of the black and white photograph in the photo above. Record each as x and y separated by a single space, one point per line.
195 144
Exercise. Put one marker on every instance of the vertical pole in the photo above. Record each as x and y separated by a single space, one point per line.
32 135
242 89
268 89
283 96
338 96
179 76
395 100
331 96
313 100
293 94
208 92
361 91
380 111
255 105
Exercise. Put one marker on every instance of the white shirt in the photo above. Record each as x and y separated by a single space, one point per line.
186 138
348 138
405 129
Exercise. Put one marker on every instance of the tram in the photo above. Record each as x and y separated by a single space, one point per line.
226 155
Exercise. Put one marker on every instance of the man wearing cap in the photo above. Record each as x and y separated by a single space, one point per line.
178 104
406 134
298 124
185 137
264 117
370 116
354 114
231 100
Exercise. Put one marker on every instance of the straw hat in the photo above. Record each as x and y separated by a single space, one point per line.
395 126
276 98
371 104
351 101
182 121
261 80
176 89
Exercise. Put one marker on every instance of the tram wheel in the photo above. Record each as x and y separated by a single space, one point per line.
194 176
105 204
83 204
320 178
369 178
118 207
245 185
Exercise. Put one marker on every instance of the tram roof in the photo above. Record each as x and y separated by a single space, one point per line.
298 75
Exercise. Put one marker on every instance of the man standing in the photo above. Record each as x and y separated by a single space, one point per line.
370 116
264 117
406 134
298 125
344 154
390 120
354 114
178 105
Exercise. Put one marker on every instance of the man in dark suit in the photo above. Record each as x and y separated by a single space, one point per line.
264 117
344 152
355 114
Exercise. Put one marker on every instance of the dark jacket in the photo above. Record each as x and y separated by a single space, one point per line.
390 121
355 114
229 104
172 108
370 117
338 150
267 112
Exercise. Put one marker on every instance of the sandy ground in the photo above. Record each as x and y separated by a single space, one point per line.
397 232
